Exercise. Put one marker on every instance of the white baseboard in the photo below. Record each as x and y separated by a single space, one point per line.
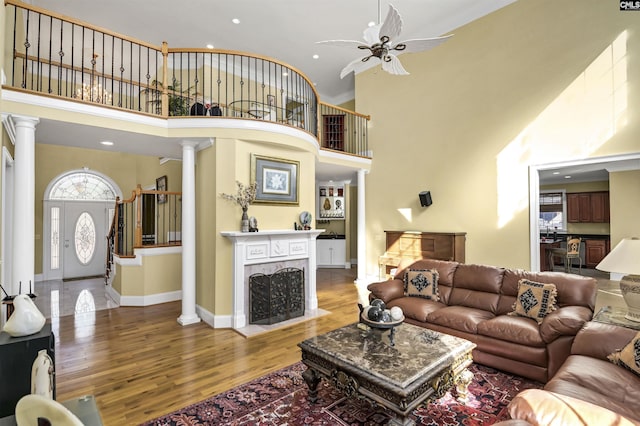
215 321
149 299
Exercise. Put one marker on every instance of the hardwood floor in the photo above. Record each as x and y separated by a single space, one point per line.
139 363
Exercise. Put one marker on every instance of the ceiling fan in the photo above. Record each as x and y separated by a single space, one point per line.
381 44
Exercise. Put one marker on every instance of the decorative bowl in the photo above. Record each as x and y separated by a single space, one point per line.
380 324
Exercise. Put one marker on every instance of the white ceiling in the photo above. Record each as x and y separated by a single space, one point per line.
286 30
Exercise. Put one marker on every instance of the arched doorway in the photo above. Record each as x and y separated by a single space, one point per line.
78 208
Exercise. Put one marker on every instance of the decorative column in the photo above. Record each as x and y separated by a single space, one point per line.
362 240
24 204
189 315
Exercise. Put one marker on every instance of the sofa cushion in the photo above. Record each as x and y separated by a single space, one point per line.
459 318
513 329
386 290
599 382
629 356
476 286
573 290
541 407
446 271
421 283
416 308
534 300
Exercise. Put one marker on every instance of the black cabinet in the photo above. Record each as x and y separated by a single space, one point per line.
17 355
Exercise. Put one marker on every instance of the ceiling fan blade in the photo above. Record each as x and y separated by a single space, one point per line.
354 66
393 66
371 35
343 43
392 25
421 44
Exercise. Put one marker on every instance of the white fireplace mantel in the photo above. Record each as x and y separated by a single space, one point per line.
252 248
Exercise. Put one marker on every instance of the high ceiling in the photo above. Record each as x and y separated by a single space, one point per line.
286 30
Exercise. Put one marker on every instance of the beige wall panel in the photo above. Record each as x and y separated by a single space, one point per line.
625 205
162 274
238 153
539 81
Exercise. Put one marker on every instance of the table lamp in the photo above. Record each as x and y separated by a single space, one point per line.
625 259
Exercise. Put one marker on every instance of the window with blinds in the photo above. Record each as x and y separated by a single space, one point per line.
553 211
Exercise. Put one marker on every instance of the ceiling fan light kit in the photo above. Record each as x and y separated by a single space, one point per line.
380 42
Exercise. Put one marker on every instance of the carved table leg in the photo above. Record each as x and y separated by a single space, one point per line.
462 385
313 379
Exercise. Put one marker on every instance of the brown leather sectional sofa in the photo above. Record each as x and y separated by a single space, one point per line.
474 302
588 389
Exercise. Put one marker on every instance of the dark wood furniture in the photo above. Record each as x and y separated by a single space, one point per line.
545 254
423 365
594 251
421 245
588 207
17 355
333 131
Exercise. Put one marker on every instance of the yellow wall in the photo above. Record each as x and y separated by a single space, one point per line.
625 204
218 168
536 82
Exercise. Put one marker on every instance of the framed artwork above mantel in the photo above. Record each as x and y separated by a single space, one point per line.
277 180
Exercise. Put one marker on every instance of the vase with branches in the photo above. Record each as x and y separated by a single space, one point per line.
245 195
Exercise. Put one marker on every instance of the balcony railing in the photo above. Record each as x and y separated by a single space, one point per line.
61 57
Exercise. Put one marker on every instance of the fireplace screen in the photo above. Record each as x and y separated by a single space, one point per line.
276 297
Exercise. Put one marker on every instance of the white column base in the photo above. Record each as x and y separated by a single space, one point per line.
188 319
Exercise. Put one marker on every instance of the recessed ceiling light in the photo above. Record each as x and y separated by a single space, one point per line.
235 21
106 143
371 24
315 56
209 46
556 173
567 177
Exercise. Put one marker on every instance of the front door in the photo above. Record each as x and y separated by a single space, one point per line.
84 239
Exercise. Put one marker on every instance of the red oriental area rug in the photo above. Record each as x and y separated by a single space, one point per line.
280 398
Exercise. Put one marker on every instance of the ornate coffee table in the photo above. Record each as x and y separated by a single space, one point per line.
422 366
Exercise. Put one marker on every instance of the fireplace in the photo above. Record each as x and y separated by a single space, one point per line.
267 252
276 297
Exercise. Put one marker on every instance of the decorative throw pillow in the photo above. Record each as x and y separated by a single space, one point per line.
535 300
629 356
421 283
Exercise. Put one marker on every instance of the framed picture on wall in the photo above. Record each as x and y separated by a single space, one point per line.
276 179
161 185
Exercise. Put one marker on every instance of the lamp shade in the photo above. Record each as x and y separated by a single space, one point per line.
623 259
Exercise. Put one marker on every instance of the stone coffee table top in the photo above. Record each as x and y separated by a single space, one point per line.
419 353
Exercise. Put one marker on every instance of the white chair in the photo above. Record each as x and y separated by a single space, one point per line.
32 409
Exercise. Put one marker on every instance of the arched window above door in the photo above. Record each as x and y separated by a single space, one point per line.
82 186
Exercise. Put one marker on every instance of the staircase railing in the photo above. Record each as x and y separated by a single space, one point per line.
58 56
148 219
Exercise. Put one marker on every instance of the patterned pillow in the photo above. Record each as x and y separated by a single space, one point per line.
535 300
629 356
421 283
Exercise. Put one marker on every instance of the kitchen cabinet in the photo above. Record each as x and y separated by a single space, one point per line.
595 251
331 253
599 207
588 207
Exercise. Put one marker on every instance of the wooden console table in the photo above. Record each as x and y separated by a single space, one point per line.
421 245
